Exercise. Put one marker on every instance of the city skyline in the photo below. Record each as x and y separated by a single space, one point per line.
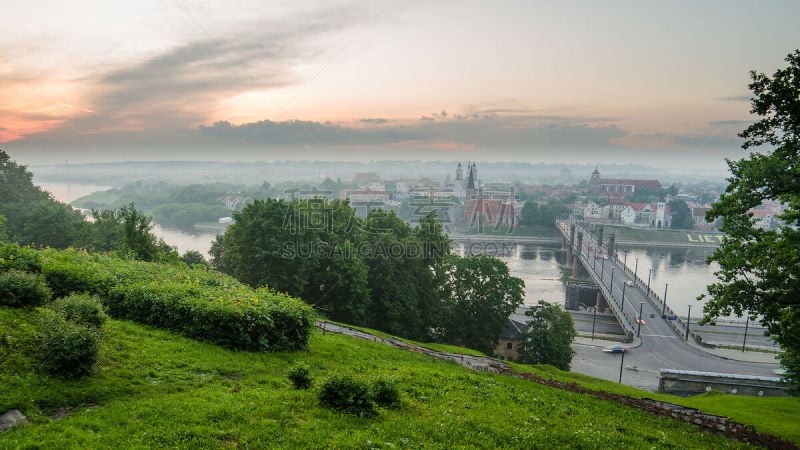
619 81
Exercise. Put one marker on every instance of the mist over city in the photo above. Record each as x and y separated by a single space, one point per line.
454 224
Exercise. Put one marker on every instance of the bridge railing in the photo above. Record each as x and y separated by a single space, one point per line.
613 302
678 325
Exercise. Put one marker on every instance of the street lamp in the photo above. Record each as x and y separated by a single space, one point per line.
688 321
636 268
621 361
649 272
625 262
623 296
746 324
664 308
639 328
594 316
611 284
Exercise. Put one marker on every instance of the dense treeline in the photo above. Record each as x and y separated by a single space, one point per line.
545 214
29 216
180 206
376 271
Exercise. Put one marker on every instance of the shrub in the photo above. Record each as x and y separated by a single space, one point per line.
83 309
385 393
20 289
346 394
67 277
202 305
68 350
292 319
300 376
233 317
12 256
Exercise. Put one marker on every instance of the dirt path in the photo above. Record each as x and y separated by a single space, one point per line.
708 422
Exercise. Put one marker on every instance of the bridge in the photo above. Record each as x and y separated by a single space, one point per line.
628 296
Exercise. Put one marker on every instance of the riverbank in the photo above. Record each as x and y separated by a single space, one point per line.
658 237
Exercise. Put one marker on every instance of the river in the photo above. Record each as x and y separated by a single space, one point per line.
538 265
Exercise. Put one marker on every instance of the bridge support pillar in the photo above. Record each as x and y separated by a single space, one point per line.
576 261
600 302
570 256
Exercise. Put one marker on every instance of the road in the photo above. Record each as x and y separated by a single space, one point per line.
662 346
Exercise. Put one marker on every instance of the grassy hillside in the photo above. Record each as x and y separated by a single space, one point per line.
153 388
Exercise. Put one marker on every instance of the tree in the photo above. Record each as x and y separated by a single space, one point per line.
192 257
549 337
339 286
3 233
400 279
529 212
550 211
671 191
479 295
759 269
681 215
270 244
127 231
16 182
32 217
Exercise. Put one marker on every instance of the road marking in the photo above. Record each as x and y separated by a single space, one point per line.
660 335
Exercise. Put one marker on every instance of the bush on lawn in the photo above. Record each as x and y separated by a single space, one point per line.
300 377
68 349
347 394
83 309
19 289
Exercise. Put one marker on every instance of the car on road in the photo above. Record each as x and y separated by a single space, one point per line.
617 348
629 283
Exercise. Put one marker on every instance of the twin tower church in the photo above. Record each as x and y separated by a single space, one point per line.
484 208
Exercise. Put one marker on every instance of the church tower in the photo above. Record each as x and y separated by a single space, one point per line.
459 173
594 182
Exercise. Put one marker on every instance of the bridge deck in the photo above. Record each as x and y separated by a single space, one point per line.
625 293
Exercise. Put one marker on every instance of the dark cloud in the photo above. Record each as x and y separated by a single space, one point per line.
488 132
733 123
708 141
735 98
375 121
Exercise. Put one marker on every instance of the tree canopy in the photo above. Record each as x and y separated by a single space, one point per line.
375 271
549 337
759 269
32 217
681 215
480 296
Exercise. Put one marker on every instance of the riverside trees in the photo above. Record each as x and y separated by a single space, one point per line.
376 271
29 216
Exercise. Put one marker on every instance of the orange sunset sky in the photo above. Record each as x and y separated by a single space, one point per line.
640 81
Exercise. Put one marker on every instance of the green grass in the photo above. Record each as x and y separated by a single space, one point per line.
155 389
656 235
429 345
773 415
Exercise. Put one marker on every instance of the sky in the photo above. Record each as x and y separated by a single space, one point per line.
652 82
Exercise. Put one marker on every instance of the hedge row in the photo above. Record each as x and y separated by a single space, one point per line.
203 305
14 257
